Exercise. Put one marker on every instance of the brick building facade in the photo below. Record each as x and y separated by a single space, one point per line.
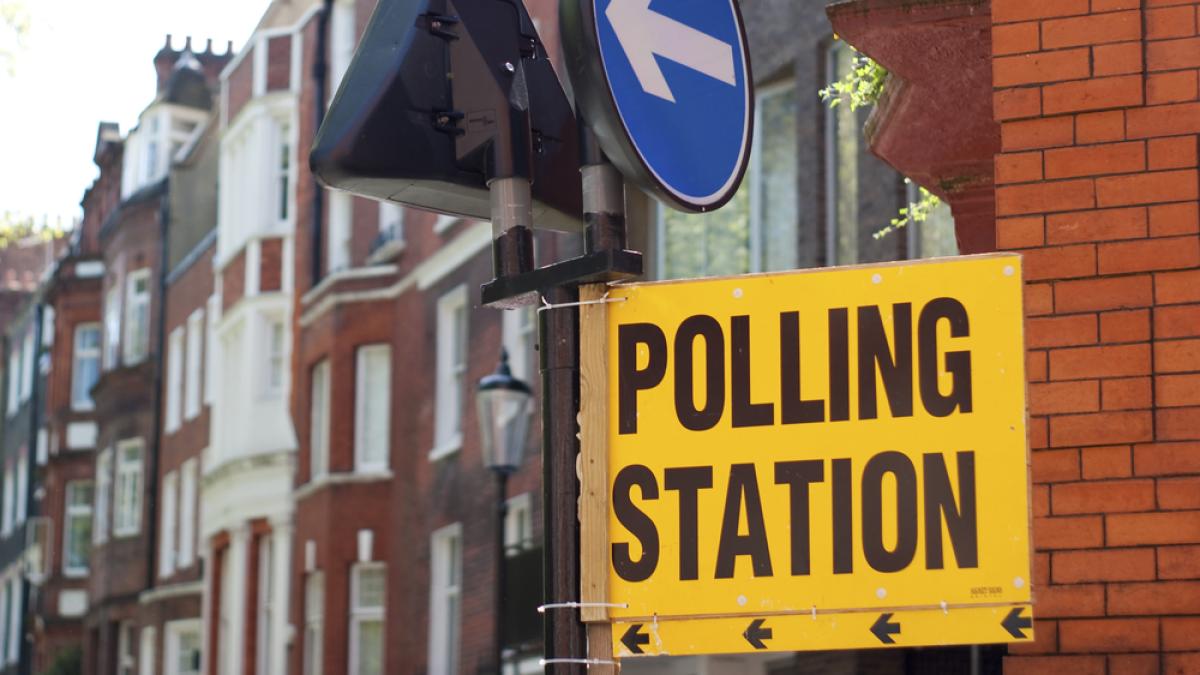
1093 130
284 451
66 478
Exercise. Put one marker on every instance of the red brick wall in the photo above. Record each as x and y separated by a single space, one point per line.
241 84
279 63
271 267
1097 185
233 281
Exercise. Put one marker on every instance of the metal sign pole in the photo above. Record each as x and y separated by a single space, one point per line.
604 213
565 638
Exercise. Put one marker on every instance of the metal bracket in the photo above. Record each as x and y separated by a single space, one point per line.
599 266
440 25
446 121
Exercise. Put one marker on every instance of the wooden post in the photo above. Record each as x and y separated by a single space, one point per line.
593 491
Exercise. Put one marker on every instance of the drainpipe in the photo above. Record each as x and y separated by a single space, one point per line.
320 74
159 356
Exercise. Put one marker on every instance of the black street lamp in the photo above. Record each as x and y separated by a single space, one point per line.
503 407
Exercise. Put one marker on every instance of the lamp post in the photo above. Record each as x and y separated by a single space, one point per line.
503 407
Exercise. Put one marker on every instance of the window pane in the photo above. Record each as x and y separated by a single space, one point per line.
285 161
370 591
776 178
370 648
375 406
187 513
319 420
711 244
854 183
86 367
936 236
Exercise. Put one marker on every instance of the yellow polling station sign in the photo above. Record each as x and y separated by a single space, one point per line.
825 459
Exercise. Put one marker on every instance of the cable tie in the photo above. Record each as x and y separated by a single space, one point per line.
602 301
541 609
587 662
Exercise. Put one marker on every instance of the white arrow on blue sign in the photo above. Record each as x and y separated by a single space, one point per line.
678 77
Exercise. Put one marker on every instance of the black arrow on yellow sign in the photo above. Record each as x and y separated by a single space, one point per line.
1016 624
633 639
756 633
884 629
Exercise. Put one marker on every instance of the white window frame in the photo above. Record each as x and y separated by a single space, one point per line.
360 615
391 223
136 337
189 473
518 331
445 600
128 486
112 325
28 356
194 363
343 34
283 205
518 524
174 385
73 510
210 341
15 594
341 227
22 505
149 645
14 380
82 401
275 357
318 427
10 498
167 524
173 647
5 601
48 323
104 480
126 658
314 618
372 450
452 359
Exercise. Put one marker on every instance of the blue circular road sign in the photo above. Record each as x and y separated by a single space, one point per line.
666 86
